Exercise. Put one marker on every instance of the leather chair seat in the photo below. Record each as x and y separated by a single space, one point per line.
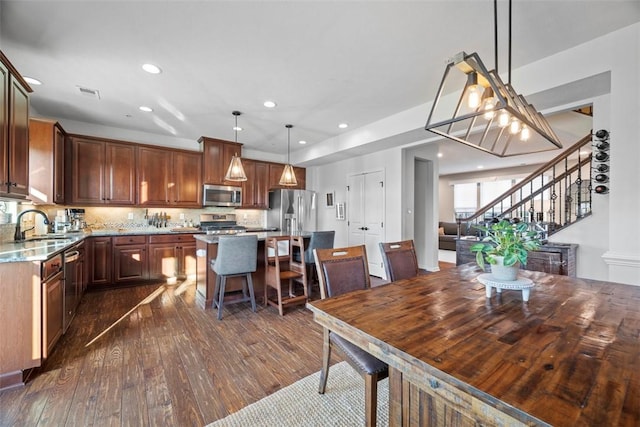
361 358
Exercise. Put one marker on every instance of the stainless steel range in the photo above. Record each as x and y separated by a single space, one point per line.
220 224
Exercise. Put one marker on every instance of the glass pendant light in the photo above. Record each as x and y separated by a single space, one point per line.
235 171
288 177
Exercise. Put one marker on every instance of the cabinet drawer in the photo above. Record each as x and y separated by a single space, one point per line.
129 240
171 238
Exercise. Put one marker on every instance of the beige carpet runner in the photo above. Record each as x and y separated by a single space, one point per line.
300 404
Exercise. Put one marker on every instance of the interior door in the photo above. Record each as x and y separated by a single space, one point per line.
366 216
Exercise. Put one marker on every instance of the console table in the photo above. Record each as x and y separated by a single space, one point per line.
569 357
554 258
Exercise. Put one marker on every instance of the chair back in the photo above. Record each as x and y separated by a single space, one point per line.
342 270
318 240
400 261
236 255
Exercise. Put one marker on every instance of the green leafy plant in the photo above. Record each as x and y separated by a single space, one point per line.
511 241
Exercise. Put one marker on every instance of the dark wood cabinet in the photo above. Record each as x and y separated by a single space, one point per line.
217 154
102 172
275 172
130 259
255 190
100 261
14 132
52 303
554 258
169 178
172 256
46 161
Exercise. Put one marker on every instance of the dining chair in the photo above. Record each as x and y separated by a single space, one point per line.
343 270
237 256
400 261
281 267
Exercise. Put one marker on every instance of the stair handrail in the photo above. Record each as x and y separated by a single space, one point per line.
562 156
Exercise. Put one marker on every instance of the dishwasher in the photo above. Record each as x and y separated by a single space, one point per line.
72 283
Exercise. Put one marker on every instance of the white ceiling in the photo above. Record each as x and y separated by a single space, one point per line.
323 62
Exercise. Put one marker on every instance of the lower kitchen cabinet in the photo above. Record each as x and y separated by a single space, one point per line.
130 259
52 303
172 256
100 261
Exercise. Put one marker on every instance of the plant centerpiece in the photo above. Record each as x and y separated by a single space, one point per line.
505 245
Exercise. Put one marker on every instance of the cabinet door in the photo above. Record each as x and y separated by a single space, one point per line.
275 172
301 177
4 119
100 261
120 174
186 181
88 161
261 186
153 176
58 164
248 186
163 260
18 139
130 263
53 313
187 260
212 156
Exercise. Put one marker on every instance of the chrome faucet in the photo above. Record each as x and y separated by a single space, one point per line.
19 235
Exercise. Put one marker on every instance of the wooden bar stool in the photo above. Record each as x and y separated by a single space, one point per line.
237 256
281 266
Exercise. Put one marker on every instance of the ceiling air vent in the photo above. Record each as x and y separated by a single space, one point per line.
92 93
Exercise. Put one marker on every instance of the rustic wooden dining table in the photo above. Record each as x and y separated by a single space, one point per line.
568 357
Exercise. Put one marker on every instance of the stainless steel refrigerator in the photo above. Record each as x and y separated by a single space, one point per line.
292 210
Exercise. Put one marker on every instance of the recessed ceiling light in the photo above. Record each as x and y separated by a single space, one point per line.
343 125
237 128
269 104
145 109
151 69
439 154
480 167
302 142
32 81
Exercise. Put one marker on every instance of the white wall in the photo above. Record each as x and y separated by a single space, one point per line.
333 178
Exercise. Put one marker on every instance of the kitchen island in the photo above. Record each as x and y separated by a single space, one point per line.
571 356
207 250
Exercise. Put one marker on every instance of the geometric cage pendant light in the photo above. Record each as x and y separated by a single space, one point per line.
475 107
288 177
235 172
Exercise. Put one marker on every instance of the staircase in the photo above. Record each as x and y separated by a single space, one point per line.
551 198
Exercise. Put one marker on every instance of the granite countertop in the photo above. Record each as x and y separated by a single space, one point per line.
42 247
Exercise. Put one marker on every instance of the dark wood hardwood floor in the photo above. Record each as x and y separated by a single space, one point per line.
147 356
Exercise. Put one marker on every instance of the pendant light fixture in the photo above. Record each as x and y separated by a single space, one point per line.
235 171
288 177
473 106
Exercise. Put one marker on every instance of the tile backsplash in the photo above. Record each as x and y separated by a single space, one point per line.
129 218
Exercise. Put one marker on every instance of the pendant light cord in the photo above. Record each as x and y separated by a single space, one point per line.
509 41
495 37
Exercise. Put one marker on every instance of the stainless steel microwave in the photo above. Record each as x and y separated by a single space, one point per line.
221 195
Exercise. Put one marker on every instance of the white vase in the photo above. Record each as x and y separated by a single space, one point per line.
499 271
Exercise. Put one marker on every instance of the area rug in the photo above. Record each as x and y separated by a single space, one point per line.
300 404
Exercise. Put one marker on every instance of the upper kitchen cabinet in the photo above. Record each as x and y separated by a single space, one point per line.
102 172
14 132
255 190
217 154
275 172
169 177
46 161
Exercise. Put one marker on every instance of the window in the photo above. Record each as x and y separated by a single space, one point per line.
465 199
